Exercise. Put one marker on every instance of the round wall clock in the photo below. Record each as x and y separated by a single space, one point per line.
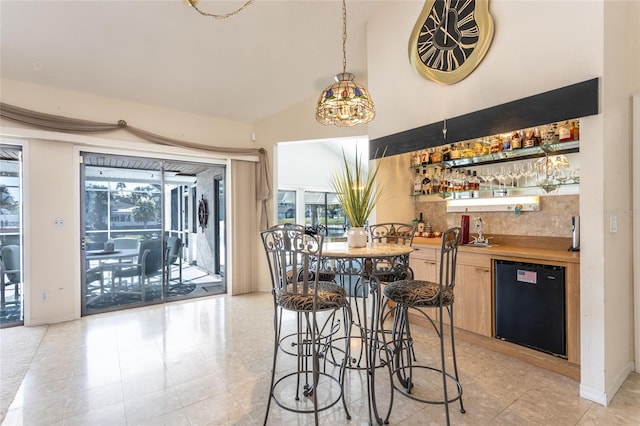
203 213
450 38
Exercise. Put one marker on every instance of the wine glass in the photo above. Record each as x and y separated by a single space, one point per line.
515 173
501 175
529 172
575 175
487 176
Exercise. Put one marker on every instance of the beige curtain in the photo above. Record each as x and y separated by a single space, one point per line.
74 125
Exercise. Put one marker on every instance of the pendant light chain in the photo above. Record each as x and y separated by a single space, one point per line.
193 3
345 103
344 36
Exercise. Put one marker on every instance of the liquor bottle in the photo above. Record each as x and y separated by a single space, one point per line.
455 153
529 139
436 156
475 181
506 142
576 130
424 157
415 159
475 185
417 183
550 134
516 140
496 144
446 153
435 182
425 183
564 132
478 147
537 136
421 224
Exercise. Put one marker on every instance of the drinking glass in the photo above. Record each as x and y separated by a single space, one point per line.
529 172
501 175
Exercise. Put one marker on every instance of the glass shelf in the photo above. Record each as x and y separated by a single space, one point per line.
509 191
517 154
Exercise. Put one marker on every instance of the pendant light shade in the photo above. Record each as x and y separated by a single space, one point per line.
345 103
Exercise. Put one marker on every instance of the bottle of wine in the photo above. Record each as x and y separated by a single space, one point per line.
421 224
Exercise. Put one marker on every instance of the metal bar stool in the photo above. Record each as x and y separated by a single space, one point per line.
293 256
404 296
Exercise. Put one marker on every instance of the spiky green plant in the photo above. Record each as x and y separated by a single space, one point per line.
356 190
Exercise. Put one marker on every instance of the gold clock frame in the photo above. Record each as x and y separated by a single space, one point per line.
485 36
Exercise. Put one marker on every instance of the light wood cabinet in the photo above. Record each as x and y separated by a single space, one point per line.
472 294
472 303
424 263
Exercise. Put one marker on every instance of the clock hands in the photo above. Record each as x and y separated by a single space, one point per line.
447 35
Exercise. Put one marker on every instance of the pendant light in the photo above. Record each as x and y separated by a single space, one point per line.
345 103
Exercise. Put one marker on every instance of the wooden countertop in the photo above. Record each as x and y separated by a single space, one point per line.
509 251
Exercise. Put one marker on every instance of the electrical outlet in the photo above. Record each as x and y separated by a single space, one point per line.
44 295
613 224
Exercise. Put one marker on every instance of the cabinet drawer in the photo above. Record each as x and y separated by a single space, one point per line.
423 254
470 259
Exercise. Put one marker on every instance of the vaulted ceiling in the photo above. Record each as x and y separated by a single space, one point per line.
269 57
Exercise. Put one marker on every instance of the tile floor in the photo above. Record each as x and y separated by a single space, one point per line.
206 362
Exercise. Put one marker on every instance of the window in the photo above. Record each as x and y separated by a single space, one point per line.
322 209
286 206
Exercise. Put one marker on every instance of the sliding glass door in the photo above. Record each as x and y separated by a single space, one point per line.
141 244
11 244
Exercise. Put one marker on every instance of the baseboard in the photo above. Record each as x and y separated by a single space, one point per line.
47 321
618 381
604 398
593 395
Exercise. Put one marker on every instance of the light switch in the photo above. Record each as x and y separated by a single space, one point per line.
613 224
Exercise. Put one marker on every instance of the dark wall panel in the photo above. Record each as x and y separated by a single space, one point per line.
574 101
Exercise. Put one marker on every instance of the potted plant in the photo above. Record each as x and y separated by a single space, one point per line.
358 195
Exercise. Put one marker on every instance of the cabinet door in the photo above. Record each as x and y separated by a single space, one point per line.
424 265
472 303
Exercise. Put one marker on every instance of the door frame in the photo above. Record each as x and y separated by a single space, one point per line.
151 155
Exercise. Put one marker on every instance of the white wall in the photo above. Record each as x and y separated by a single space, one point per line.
536 47
52 185
619 83
171 123
539 46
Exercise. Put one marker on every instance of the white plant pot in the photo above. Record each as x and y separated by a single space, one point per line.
357 237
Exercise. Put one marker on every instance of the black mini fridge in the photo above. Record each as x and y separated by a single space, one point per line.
530 305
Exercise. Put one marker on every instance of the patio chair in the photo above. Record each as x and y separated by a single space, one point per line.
149 264
10 272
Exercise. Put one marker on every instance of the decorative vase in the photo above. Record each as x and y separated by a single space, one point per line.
357 237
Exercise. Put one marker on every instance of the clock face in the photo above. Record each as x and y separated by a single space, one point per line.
450 38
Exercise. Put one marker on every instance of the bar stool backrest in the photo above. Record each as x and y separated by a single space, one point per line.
293 258
448 258
393 233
